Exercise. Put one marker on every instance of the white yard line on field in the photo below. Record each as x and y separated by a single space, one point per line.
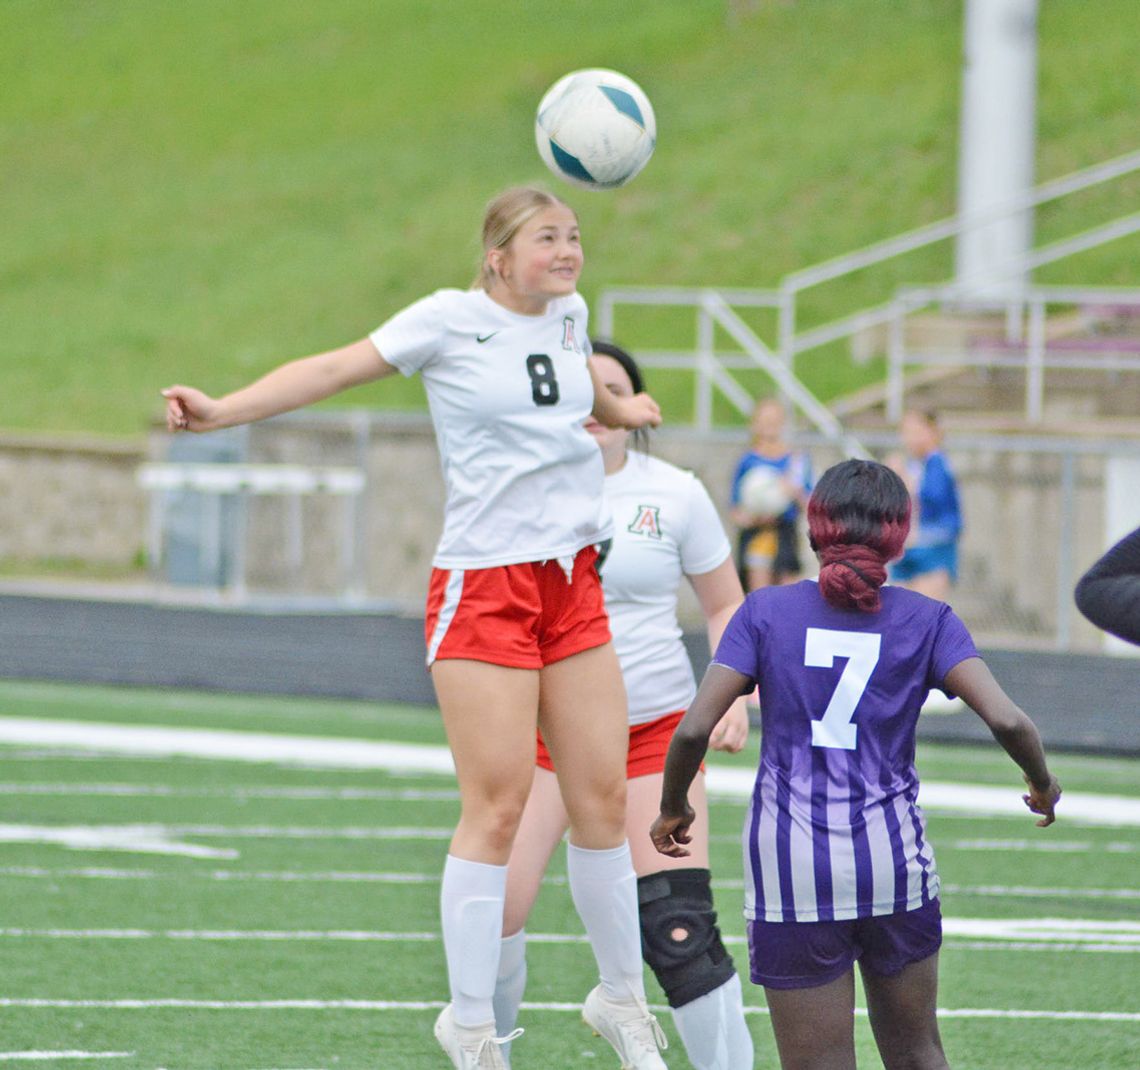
286 876
1070 931
435 1005
333 753
163 839
1084 807
48 1056
151 740
166 791
1047 846
145 839
157 838
1022 891
167 839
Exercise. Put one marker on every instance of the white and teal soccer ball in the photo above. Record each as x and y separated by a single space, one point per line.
763 492
595 128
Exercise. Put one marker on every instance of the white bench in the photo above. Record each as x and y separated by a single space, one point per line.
216 481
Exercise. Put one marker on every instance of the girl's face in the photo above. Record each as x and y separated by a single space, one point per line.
542 261
918 436
768 422
611 440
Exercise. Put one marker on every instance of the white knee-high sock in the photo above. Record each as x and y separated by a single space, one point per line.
713 1029
471 907
604 888
510 986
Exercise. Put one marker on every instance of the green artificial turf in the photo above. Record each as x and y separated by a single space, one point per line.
322 888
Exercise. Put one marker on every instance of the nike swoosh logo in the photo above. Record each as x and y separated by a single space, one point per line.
481 338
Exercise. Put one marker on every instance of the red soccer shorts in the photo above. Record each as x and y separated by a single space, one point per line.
520 616
648 744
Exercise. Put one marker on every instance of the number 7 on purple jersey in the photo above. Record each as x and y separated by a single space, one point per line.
821 648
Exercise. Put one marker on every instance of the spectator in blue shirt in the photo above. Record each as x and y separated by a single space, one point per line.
930 563
768 544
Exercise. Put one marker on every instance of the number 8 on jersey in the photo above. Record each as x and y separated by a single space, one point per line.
543 382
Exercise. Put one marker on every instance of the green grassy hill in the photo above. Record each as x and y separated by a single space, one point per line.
198 191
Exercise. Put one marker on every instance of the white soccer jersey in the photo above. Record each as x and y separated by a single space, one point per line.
508 395
665 527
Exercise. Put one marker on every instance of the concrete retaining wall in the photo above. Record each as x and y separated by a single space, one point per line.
71 499
79 499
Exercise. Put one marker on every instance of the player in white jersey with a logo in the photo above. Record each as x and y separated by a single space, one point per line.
516 628
838 868
665 530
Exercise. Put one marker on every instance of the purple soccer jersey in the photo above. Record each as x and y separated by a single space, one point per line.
834 830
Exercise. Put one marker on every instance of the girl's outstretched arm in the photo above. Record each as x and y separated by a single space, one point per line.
289 386
972 680
720 687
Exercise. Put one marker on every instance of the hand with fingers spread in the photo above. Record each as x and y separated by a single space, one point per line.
1043 801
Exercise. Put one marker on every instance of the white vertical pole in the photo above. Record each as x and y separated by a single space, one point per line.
156 532
896 355
606 316
787 332
1035 362
703 398
996 143
358 510
211 545
238 586
294 537
1066 550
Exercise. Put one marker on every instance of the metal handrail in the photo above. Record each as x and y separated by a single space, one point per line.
819 414
672 295
714 308
791 344
1032 352
957 224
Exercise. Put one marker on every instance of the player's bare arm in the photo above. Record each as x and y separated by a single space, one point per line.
1011 727
720 687
290 386
628 412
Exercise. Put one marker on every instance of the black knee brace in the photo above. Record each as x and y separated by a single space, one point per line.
680 941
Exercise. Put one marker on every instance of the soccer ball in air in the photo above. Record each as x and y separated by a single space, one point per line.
762 492
595 128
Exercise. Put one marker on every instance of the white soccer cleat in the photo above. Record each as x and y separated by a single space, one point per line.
629 1027
471 1049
